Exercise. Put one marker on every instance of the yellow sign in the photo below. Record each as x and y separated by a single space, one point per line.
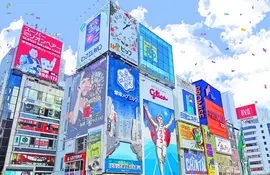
185 131
150 51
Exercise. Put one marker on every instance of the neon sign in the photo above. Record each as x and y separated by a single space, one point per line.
156 94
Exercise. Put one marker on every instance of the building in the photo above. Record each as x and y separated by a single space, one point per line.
30 104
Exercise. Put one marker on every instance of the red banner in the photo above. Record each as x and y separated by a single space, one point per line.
245 112
38 54
74 157
32 159
38 126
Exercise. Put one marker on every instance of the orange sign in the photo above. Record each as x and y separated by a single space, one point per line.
216 119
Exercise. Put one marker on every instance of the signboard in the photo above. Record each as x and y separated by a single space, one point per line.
32 159
87 104
93 37
235 155
14 172
190 137
223 146
195 163
155 54
70 146
160 147
124 133
38 54
123 34
246 112
75 157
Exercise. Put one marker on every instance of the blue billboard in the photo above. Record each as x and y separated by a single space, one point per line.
155 54
189 102
195 163
124 133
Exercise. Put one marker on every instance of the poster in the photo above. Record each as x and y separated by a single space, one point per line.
93 153
93 37
123 34
38 54
195 163
87 104
190 137
160 147
124 137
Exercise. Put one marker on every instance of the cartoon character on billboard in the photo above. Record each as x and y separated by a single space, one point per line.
197 135
162 136
29 63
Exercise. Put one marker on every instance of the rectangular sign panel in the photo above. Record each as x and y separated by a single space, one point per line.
38 54
223 146
155 55
195 163
123 34
87 104
32 159
124 133
18 172
190 137
245 112
160 147
93 37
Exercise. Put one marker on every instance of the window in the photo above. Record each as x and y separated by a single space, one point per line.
26 92
50 98
39 96
69 91
61 164
33 94
68 106
81 144
250 139
58 100
63 146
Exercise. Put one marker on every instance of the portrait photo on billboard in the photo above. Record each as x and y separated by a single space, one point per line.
87 106
123 34
159 140
124 137
93 37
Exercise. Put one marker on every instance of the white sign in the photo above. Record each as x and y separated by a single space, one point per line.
93 37
70 146
223 146
123 34
156 93
185 85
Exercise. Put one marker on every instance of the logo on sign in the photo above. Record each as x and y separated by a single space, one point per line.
91 52
79 156
117 47
156 94
125 79
208 92
245 112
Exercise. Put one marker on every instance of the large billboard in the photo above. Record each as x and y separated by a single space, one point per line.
160 147
155 55
38 54
93 37
246 112
123 34
124 137
87 104
190 137
195 163
32 159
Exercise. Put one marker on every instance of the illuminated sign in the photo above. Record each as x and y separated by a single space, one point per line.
200 104
73 157
156 94
245 112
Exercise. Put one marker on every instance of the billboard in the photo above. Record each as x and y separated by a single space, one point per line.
246 112
9 172
160 147
87 104
190 137
223 146
195 163
38 54
93 37
123 34
155 55
32 159
33 142
124 137
216 119
208 150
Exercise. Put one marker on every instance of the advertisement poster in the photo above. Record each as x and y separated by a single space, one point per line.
245 112
209 152
223 146
123 34
124 133
38 54
87 104
32 159
190 137
155 54
160 147
195 163
93 153
18 172
93 37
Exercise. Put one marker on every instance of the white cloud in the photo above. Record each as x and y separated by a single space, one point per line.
70 59
139 14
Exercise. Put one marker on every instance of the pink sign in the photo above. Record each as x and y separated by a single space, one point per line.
235 156
246 111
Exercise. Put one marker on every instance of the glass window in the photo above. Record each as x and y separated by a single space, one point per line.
58 100
12 107
13 99
50 98
26 92
39 95
69 91
62 162
33 94
15 91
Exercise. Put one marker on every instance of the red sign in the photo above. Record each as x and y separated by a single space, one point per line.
156 94
38 54
37 126
75 157
245 112
32 159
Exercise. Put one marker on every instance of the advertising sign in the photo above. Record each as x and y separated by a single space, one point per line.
32 159
195 163
88 99
208 150
235 155
160 147
223 146
75 157
38 54
70 146
93 153
123 34
93 37
8 172
216 119
246 112
124 137
155 54
190 137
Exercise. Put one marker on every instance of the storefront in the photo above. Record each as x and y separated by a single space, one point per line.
75 164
